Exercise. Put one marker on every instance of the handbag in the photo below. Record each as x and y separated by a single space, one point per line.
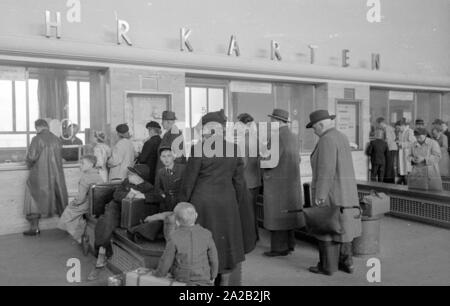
324 220
420 179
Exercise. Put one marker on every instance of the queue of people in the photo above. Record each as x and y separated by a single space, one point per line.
393 152
211 199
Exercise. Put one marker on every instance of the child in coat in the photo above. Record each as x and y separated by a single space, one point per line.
72 219
377 151
190 254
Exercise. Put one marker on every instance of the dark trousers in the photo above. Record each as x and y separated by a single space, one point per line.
377 173
281 241
106 225
333 255
389 173
402 180
254 192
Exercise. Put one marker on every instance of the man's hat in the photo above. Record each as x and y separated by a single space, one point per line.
168 115
419 121
122 128
164 148
218 117
142 170
280 114
438 122
153 124
317 116
420 131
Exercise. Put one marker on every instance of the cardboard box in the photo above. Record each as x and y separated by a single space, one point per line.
144 277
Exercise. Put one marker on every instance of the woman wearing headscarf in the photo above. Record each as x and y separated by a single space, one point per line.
214 183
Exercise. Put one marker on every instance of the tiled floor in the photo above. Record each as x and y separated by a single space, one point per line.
411 254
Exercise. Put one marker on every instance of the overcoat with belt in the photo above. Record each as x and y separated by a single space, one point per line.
216 186
282 186
333 179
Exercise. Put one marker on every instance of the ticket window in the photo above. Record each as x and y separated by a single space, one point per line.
62 97
260 99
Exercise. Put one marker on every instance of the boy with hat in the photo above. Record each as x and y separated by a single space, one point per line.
172 134
72 219
149 154
134 186
190 255
282 190
167 187
123 154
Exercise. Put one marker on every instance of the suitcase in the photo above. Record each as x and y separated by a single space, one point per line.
143 277
134 211
375 204
99 196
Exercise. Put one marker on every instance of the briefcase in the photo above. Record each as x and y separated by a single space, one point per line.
144 277
134 211
375 204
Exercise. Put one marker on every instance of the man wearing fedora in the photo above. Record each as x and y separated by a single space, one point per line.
282 190
333 184
149 155
123 154
171 135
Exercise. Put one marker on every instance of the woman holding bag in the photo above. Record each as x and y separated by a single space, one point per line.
425 156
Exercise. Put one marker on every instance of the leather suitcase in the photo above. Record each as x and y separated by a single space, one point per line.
99 196
144 277
133 211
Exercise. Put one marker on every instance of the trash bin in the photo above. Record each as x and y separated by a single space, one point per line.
369 241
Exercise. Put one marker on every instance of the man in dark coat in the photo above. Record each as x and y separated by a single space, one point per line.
46 192
378 152
214 183
282 189
149 154
333 184
446 132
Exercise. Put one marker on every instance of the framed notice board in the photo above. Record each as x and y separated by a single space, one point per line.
348 115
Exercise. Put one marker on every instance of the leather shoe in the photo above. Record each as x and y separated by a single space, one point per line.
347 269
275 253
318 270
31 233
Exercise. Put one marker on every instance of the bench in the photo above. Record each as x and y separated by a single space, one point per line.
429 207
128 255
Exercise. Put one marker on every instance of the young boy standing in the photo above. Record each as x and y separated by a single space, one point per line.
167 186
377 151
72 219
190 254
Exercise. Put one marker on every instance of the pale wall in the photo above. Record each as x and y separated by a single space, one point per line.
412 38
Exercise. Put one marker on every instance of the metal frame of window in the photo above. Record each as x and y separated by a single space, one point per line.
207 87
29 133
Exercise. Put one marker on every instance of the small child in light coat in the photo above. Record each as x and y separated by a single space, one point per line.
72 219
190 254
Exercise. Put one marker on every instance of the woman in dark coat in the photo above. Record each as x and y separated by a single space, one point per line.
215 185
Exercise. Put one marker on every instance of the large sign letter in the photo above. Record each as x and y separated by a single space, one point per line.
122 29
275 51
345 58
375 61
374 14
233 47
53 24
312 49
74 273
74 12
184 39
